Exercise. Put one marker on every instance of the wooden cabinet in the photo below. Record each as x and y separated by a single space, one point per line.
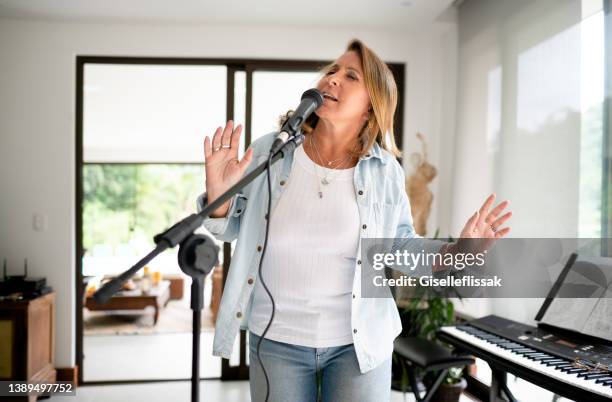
27 346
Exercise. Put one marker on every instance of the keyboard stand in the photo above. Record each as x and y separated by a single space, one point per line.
499 386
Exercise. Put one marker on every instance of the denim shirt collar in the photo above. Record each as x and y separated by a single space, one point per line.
375 152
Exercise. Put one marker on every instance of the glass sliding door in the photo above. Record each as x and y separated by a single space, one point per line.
142 169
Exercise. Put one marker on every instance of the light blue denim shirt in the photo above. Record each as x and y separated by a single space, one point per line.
384 212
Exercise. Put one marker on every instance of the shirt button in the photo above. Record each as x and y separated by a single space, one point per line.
364 226
239 211
354 331
360 192
250 281
258 248
266 217
358 262
282 182
239 314
353 295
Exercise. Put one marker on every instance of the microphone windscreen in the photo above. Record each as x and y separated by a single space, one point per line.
314 94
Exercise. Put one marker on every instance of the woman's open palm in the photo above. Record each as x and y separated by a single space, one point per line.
487 225
223 169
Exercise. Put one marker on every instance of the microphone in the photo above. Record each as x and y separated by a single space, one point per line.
312 99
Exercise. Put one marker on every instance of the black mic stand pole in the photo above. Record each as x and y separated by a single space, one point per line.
197 256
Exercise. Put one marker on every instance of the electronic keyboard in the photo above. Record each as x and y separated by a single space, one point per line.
564 364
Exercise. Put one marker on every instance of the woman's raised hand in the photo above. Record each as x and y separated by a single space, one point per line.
223 169
485 226
480 231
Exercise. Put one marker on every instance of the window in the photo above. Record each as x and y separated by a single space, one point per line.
124 205
143 130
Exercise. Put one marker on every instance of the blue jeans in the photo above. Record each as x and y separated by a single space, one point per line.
296 371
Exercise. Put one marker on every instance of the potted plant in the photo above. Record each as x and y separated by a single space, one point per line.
451 388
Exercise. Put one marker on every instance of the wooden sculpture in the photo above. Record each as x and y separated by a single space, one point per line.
417 188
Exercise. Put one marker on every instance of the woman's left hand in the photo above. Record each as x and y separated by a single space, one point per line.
485 224
480 231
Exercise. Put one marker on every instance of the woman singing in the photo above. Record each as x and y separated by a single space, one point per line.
342 185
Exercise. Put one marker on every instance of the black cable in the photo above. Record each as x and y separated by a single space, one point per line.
263 252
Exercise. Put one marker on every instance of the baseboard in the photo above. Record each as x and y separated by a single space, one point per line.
68 374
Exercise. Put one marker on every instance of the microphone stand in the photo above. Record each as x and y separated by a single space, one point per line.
197 255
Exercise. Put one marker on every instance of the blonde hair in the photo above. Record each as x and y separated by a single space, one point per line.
382 90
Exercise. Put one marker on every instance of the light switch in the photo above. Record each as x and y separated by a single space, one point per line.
39 222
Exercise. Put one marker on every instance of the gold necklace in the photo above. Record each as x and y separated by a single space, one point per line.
324 180
340 161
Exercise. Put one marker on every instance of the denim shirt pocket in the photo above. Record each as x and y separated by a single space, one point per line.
386 219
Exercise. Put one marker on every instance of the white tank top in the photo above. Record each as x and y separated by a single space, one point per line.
309 265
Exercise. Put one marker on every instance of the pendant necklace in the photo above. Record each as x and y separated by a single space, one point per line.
326 179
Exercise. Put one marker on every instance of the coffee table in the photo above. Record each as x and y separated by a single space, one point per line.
157 297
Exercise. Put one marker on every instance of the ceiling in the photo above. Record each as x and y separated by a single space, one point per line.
402 15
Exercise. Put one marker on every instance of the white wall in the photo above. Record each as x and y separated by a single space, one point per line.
37 117
519 119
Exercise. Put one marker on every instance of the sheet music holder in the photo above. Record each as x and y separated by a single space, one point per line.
556 286
586 317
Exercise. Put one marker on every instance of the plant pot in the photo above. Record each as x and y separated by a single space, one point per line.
449 392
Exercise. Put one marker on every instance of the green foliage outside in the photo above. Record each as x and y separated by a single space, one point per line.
128 203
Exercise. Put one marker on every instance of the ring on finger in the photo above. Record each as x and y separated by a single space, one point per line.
226 146
216 149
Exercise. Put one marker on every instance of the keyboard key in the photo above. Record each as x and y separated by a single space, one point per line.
543 358
555 362
573 370
592 376
559 365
